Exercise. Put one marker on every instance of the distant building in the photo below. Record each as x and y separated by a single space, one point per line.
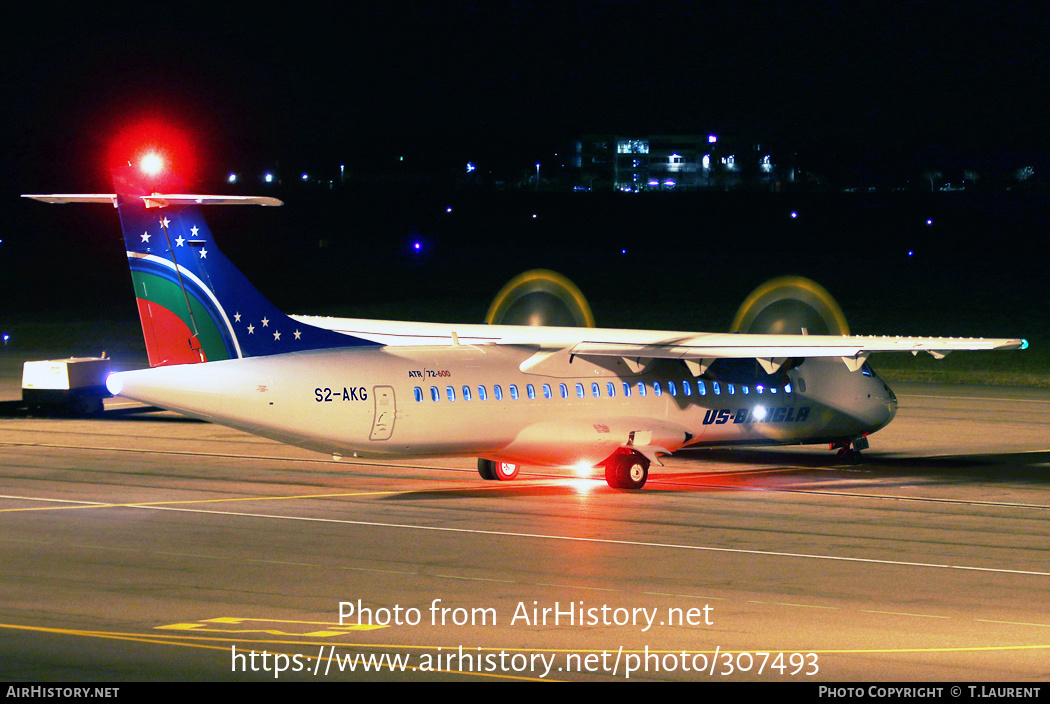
671 162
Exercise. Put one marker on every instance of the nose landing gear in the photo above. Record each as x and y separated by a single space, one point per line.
849 450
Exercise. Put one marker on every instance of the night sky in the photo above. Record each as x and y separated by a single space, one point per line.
512 82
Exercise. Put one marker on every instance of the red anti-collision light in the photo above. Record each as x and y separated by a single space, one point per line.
151 164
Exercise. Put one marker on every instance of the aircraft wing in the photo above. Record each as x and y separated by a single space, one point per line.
703 345
772 351
693 348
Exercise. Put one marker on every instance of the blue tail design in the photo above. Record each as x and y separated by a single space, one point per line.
194 304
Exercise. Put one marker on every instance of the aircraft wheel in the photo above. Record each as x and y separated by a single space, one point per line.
848 455
487 469
627 472
502 471
505 471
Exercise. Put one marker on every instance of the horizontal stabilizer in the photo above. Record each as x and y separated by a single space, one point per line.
157 200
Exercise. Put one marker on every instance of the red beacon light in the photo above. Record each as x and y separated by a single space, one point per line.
151 164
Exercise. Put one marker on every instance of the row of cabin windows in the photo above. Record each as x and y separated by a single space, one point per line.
684 387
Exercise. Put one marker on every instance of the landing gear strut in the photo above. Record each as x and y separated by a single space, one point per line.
849 450
502 471
627 470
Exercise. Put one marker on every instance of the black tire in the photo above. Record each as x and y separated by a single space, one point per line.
497 471
627 471
487 469
634 473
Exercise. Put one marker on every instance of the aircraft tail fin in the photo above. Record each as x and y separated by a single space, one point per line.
193 303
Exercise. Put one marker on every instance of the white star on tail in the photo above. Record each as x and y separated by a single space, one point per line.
204 253
145 237
277 336
297 334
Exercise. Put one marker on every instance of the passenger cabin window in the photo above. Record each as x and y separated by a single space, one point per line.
514 391
701 387
687 389
531 391
595 389
435 395
451 393
482 394
672 389
466 393
610 388
641 388
564 390
730 388
547 391
627 389
717 390
497 391
418 393
579 390
656 388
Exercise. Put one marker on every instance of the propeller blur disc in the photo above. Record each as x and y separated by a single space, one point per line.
540 297
787 305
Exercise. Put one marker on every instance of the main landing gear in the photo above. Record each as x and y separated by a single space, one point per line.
849 450
501 471
627 470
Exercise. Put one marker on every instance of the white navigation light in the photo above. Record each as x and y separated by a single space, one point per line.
113 384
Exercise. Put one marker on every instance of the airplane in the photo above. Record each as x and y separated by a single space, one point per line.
573 397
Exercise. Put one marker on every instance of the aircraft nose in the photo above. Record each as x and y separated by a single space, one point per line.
886 404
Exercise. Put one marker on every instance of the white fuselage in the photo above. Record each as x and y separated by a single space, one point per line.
514 403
